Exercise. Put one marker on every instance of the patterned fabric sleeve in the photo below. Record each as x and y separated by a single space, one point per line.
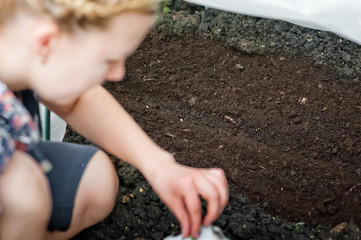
17 128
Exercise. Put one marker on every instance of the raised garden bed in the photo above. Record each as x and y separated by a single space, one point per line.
277 106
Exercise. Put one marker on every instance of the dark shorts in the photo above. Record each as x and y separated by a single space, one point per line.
68 164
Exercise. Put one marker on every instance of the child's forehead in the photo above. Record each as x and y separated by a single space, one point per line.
119 40
130 24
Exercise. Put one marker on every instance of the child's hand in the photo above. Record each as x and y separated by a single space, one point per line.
180 187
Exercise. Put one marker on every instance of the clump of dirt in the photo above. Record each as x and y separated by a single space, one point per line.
285 130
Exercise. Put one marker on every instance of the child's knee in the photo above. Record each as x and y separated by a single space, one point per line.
101 184
108 181
24 189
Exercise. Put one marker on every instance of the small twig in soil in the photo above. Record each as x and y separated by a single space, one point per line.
359 184
229 118
340 227
170 135
359 107
262 167
145 79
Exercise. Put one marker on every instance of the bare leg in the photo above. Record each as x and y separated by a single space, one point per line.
25 195
95 196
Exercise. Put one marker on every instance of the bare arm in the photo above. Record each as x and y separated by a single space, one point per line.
99 117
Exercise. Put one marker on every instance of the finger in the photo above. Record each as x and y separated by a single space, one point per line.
210 193
194 208
182 215
218 178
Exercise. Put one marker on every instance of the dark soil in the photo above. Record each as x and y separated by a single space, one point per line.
284 127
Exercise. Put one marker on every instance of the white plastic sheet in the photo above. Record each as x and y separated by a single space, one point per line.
342 17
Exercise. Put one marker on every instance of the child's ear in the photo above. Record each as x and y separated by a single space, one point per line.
44 38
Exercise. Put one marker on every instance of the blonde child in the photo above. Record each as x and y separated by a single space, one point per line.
59 52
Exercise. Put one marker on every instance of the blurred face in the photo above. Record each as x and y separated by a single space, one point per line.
60 66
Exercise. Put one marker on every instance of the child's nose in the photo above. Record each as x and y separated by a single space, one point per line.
115 72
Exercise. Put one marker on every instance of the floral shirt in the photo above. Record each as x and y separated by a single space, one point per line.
18 130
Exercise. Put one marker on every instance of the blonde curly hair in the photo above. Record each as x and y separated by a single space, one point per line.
83 13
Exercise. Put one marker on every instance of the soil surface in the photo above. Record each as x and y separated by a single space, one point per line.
284 126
